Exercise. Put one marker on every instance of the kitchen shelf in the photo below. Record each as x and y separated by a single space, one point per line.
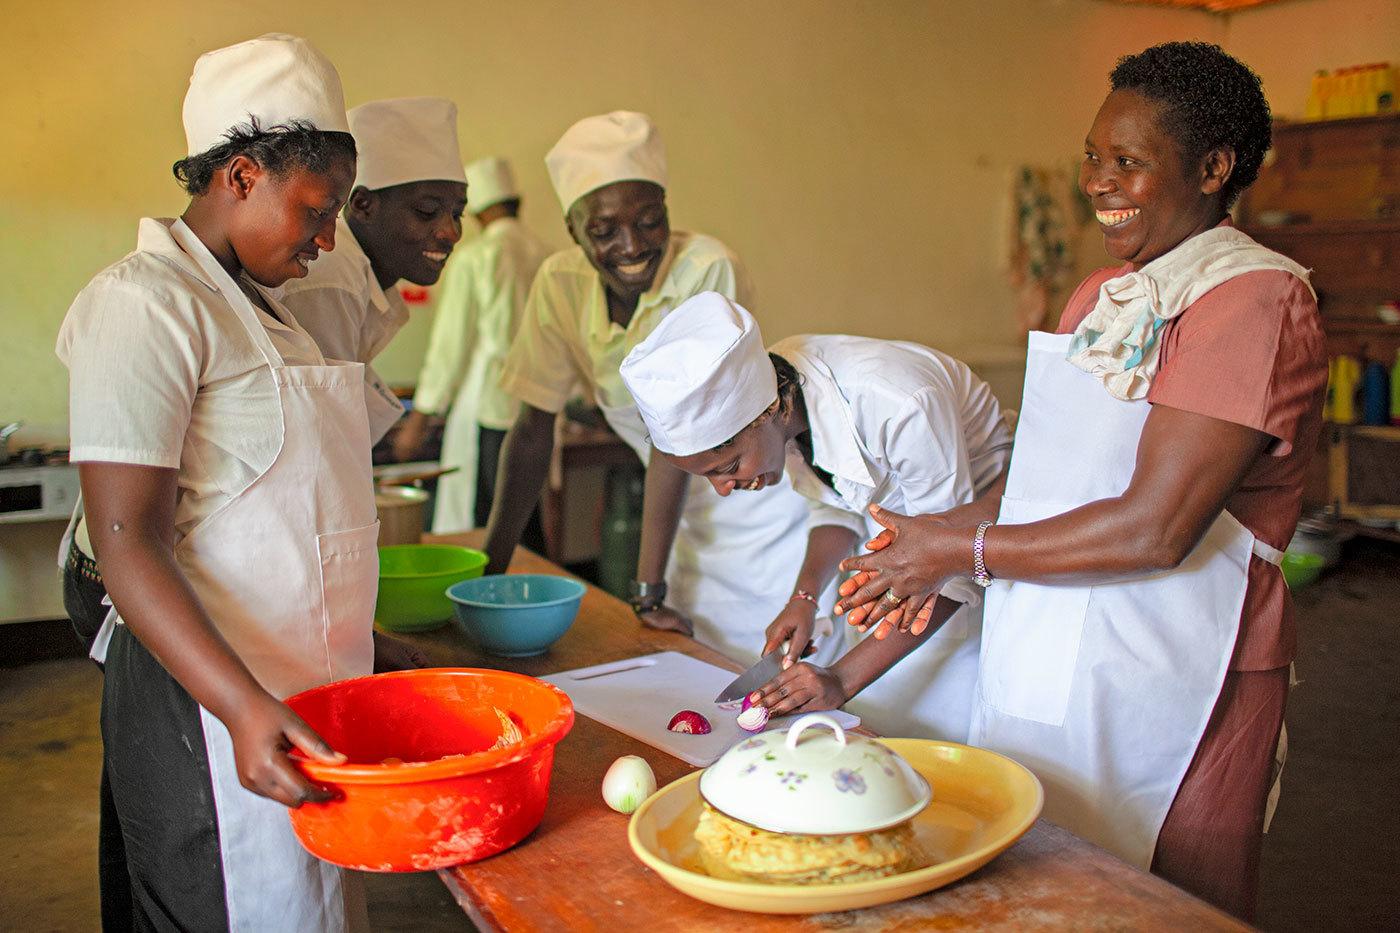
1383 432
1288 127
1324 227
1345 173
1349 529
1365 327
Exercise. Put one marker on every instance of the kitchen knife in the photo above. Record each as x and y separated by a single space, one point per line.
768 667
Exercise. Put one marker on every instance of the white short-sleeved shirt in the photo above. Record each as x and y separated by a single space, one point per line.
568 343
895 424
340 303
162 373
479 308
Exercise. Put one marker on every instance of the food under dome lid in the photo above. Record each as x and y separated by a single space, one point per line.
815 782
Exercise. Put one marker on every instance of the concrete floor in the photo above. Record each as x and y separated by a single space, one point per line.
50 761
1330 862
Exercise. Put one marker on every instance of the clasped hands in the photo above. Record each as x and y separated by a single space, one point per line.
897 581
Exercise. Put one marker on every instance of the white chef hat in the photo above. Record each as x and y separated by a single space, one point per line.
274 79
489 181
597 151
406 139
701 376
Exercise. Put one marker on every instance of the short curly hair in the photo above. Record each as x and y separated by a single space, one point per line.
277 149
1211 99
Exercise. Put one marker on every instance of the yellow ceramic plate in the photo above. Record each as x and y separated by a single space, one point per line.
982 803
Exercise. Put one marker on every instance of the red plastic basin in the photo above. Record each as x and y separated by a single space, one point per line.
430 811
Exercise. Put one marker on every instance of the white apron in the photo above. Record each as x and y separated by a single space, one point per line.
928 694
735 559
1103 691
454 501
288 570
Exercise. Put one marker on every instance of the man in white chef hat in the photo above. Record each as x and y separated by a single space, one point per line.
855 422
478 311
402 221
709 566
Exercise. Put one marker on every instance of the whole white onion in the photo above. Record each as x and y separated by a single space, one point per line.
628 782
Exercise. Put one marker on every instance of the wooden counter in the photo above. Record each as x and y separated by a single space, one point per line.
576 871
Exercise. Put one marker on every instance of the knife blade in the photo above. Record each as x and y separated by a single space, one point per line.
768 667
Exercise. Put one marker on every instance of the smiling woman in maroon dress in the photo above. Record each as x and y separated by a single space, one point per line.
1139 632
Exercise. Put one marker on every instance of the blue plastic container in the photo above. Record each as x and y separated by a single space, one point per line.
1375 394
516 615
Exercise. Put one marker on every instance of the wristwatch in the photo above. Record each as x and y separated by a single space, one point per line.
980 576
644 597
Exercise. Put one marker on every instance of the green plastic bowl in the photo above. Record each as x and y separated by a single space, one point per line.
1301 569
413 582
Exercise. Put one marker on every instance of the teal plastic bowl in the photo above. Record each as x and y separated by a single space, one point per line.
1300 569
515 616
413 579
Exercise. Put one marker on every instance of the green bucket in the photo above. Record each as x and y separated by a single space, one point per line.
1301 569
413 582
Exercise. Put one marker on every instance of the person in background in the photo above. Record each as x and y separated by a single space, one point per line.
1138 633
477 314
402 221
852 421
226 479
590 305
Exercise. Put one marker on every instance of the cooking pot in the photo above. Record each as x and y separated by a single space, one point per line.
401 510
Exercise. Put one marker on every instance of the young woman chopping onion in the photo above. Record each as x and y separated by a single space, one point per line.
853 421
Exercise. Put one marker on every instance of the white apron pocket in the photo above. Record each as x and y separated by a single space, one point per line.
349 585
1030 639
1030 635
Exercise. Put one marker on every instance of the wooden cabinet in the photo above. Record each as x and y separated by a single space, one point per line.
1329 198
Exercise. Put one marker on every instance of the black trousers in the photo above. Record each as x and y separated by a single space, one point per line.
158 860
488 459
158 801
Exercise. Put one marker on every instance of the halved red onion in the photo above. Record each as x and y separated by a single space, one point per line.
689 722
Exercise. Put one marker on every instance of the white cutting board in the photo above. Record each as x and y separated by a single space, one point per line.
639 696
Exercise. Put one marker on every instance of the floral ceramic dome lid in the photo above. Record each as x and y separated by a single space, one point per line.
814 782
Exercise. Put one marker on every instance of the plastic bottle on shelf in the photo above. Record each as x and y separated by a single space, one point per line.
1385 89
1317 97
1366 90
1346 380
1331 95
1375 394
1395 391
1331 389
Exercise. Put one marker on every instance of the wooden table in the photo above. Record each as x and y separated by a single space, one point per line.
576 871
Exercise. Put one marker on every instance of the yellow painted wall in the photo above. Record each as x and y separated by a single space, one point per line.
1286 43
855 154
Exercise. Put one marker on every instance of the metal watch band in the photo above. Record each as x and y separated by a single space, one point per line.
980 576
644 597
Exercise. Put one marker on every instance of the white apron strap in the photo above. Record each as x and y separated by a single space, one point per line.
1267 552
241 304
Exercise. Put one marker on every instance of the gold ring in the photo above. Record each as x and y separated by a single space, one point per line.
892 599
